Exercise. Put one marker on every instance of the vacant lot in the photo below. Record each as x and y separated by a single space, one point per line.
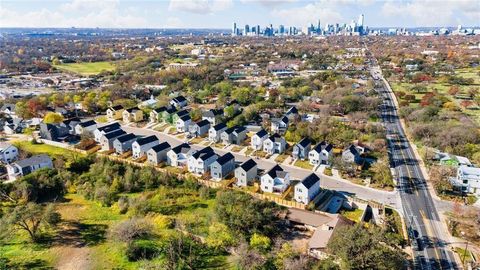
87 68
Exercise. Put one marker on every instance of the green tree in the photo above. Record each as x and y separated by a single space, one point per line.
365 248
219 236
31 218
260 242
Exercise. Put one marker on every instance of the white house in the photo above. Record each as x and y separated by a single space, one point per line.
468 179
183 123
179 102
85 127
178 156
246 173
258 138
199 128
26 166
200 161
275 180
279 125
215 132
100 131
321 154
307 189
274 144
149 103
8 152
141 146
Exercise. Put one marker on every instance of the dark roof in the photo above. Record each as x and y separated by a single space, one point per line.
171 110
234 101
276 137
274 171
185 117
126 137
160 147
323 146
132 109
116 108
114 134
292 110
180 99
87 123
182 113
305 142
240 129
225 158
203 123
110 127
310 180
212 112
161 109
34 160
219 126
284 119
229 130
203 151
353 150
147 139
205 156
247 165
261 133
181 148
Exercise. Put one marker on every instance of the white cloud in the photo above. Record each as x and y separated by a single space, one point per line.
267 3
433 12
310 13
78 13
200 6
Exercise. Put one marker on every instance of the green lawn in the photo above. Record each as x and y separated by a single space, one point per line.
281 158
303 164
42 148
88 68
354 215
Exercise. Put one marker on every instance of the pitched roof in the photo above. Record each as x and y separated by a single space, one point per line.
182 113
116 108
181 148
185 118
353 150
87 123
276 138
126 137
305 142
160 147
239 129
323 146
212 112
247 165
229 130
110 127
180 99
203 123
147 139
261 133
225 158
161 109
134 109
114 134
276 171
220 126
171 110
34 160
203 151
292 110
310 180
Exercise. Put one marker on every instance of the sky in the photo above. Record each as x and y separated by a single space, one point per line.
222 13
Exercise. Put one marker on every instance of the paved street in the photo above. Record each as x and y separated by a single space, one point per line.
419 209
389 198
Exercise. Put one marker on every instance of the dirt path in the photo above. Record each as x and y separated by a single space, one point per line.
72 258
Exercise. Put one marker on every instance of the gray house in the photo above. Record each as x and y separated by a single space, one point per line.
199 128
106 141
123 143
26 166
215 132
234 135
222 167
213 116
158 153
104 130
301 149
246 173
352 155
141 146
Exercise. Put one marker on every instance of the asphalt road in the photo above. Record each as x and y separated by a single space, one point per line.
431 240
366 193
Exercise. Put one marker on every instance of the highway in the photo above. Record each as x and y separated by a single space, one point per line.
429 236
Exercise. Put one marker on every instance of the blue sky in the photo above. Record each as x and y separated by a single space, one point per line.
221 13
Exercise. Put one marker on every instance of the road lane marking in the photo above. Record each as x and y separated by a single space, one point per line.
430 234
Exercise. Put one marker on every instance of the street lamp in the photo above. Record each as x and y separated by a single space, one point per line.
466 248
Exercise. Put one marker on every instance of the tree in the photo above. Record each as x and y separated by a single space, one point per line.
52 117
260 242
381 173
365 248
219 236
32 218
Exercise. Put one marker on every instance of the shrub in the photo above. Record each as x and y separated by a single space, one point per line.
260 242
132 229
141 250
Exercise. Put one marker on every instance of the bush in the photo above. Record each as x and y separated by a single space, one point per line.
132 229
141 250
260 242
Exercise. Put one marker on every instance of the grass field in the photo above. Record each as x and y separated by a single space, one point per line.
303 164
42 148
86 69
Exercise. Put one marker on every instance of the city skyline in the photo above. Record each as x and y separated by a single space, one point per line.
219 14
